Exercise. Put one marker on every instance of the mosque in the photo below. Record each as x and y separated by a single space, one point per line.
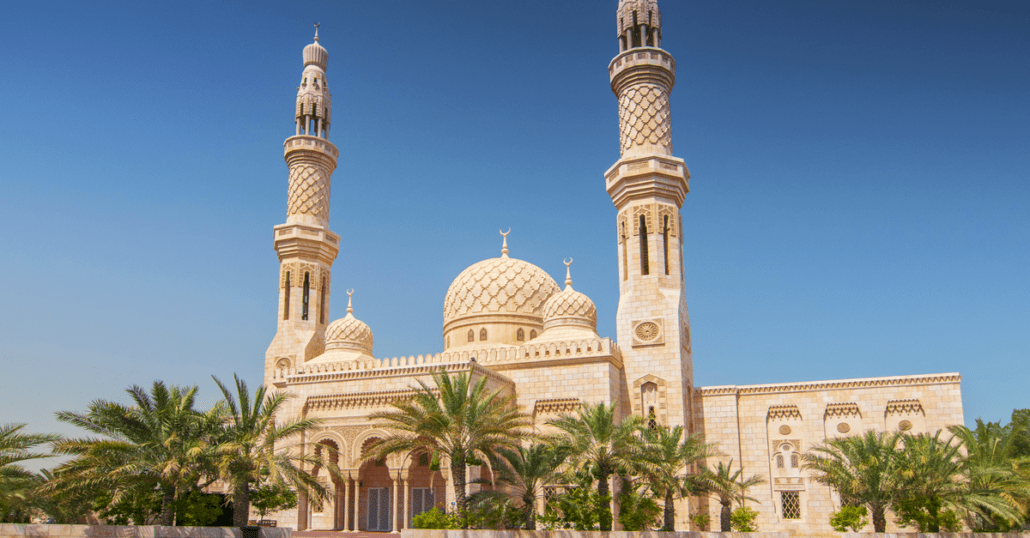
509 321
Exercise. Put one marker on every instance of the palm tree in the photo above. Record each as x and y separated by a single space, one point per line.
597 444
666 457
253 447
862 469
525 471
992 467
466 425
16 482
159 442
728 486
933 482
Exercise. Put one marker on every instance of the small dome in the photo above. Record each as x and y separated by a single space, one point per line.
349 332
569 307
315 54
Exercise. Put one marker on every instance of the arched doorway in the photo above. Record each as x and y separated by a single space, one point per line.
327 514
423 488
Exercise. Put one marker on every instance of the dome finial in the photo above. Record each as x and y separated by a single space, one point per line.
568 273
504 247
316 31
350 309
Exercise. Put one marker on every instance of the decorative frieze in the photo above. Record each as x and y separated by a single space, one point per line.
784 412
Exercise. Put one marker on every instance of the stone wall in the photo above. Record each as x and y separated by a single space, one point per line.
414 533
13 530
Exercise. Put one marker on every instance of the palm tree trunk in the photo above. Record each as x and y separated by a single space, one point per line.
670 513
168 507
530 506
879 519
605 514
241 505
458 480
725 517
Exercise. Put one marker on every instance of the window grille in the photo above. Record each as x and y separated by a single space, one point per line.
520 336
779 461
472 336
791 503
794 461
482 334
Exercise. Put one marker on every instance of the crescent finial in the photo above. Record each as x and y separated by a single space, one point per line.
350 295
568 272
504 247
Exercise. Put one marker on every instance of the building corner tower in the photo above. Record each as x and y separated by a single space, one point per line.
648 185
305 245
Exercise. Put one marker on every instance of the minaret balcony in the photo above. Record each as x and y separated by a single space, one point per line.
308 142
642 57
299 241
648 177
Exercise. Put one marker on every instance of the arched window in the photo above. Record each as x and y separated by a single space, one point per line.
779 461
286 299
307 292
665 241
321 303
532 334
521 335
472 336
794 460
482 334
644 263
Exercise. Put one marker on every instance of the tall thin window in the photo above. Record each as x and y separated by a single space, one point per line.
625 253
286 300
321 303
304 301
643 247
520 335
652 420
779 461
482 334
665 241
532 334
472 336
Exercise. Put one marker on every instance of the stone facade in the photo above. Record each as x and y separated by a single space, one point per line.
509 322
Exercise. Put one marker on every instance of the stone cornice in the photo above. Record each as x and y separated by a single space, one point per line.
359 400
556 406
323 373
839 384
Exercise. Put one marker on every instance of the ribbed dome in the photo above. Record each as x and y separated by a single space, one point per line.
348 333
498 286
569 307
315 54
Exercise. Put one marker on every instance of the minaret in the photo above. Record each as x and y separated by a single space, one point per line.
648 185
305 245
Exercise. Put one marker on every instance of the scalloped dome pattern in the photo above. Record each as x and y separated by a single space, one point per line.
498 285
349 332
570 303
315 54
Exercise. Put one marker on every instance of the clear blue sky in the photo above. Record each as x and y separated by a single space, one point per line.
860 201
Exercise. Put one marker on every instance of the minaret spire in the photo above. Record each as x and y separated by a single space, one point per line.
648 186
305 245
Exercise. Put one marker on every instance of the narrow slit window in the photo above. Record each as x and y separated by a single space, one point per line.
665 241
305 298
779 461
321 303
286 299
652 419
644 270
794 461
625 253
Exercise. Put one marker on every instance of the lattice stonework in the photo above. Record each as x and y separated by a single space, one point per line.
791 504
309 192
644 117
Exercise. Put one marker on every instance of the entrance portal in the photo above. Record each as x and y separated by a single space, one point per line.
379 509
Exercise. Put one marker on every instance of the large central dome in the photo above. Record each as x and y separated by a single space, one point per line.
496 301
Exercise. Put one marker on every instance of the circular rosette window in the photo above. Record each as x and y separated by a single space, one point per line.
647 331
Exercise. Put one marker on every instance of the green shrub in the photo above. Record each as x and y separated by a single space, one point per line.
743 520
637 512
700 521
849 517
434 519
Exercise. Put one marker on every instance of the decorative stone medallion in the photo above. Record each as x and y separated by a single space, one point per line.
648 332
843 427
785 430
904 425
